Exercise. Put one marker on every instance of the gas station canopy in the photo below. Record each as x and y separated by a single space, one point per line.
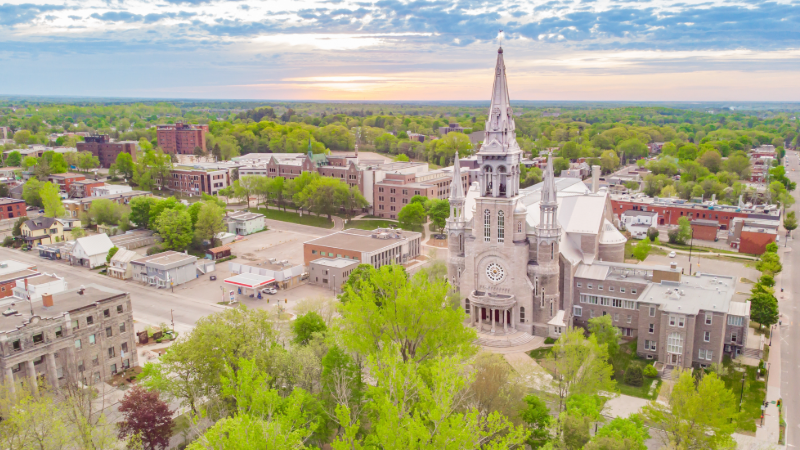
249 280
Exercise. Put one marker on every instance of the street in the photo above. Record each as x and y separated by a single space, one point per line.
790 331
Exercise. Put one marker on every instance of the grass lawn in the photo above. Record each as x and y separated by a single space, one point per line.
654 250
371 224
626 357
642 391
754 393
293 217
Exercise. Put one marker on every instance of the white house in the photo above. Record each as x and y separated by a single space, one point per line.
38 285
637 222
110 189
120 265
244 223
91 251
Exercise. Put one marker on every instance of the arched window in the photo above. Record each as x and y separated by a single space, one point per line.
551 308
466 306
519 227
521 314
552 251
501 227
487 226
461 243
675 343
542 300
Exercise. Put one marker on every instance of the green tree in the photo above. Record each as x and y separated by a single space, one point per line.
642 249
111 252
106 212
86 161
124 164
175 228
388 307
634 375
769 264
14 159
22 137
439 212
17 229
764 309
31 192
621 434
412 215
51 200
140 211
790 222
682 234
695 417
210 221
606 333
306 325
537 419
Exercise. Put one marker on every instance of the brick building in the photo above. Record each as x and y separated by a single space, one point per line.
397 189
705 229
379 247
65 180
76 206
11 208
84 335
105 150
84 188
752 236
196 181
181 138
10 272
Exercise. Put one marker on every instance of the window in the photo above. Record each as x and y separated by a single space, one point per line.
591 313
616 303
652 328
652 311
38 338
119 309
630 318
111 352
672 321
109 332
80 366
735 320
521 314
707 336
92 339
501 227
628 304
95 361
122 327
650 345
611 288
605 301
681 321
622 289
107 313
487 226
675 343
708 318
577 311
59 333
701 354
78 343
16 345
551 308
733 337
89 320
633 291
519 227
113 368
466 306
579 284
589 286
124 347
599 287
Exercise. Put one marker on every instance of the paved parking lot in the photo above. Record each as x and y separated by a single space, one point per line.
273 243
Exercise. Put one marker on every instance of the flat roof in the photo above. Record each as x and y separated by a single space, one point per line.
249 280
705 222
176 257
362 240
703 292
43 279
338 263
12 266
16 275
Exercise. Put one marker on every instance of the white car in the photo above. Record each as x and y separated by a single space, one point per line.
672 254
269 291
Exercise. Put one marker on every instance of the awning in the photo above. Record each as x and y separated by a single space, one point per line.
249 280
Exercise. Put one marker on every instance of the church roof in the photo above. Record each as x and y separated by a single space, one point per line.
610 234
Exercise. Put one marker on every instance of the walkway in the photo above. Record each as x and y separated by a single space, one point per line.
701 254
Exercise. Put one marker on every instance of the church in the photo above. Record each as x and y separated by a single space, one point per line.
513 253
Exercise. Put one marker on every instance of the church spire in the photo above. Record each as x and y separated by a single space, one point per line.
549 188
500 135
456 190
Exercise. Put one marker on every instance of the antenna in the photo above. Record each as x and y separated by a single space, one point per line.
500 36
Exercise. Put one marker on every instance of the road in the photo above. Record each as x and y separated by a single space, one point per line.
150 306
790 330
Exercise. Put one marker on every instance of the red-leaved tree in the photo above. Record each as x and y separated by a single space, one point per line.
147 416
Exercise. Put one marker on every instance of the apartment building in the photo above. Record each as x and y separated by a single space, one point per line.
196 181
12 208
76 206
83 335
681 321
84 188
397 189
65 180
378 247
181 138
105 150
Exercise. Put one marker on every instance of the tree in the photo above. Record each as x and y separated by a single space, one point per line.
642 249
124 164
175 228
17 229
198 152
146 416
387 307
439 212
681 234
790 222
537 419
700 417
86 161
210 221
306 325
140 211
634 375
51 200
621 434
652 234
711 160
580 365
770 264
764 309
106 212
412 215
22 137
14 159
111 252
606 333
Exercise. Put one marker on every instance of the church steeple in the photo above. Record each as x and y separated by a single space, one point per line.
456 190
548 206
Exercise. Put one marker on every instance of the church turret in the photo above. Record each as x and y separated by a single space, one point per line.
456 225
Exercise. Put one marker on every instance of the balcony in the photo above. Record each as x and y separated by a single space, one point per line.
491 299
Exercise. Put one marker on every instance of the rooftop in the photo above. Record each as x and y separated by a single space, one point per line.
703 292
364 240
705 222
43 279
173 258
338 263
8 201
10 266
244 215
110 197
634 213
16 275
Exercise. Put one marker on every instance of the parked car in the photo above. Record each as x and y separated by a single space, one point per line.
30 208
269 291
672 254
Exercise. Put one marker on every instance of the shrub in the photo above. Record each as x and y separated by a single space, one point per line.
650 372
549 341
154 249
8 241
652 233
633 376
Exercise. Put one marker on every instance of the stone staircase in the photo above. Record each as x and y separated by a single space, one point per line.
505 341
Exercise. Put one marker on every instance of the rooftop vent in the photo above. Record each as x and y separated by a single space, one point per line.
3 265
9 312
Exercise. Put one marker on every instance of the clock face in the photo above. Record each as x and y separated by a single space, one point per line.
495 272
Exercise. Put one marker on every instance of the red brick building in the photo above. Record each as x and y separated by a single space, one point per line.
181 138
196 181
84 188
705 230
11 208
105 150
396 190
65 180
754 241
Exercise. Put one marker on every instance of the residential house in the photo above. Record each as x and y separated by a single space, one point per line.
42 230
244 222
120 265
638 222
77 206
91 251
164 270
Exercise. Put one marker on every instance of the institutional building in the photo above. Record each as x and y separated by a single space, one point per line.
546 258
105 150
181 138
196 181
378 247
83 335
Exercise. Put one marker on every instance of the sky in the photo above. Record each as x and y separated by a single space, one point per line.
623 50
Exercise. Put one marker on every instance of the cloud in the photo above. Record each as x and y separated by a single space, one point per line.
18 14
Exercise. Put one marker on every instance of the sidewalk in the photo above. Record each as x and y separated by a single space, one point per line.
770 432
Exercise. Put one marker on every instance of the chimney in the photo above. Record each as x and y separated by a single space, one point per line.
595 178
47 300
